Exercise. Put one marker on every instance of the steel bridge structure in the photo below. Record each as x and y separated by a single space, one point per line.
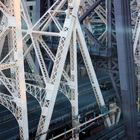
41 56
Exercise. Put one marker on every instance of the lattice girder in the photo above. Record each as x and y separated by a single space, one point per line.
12 64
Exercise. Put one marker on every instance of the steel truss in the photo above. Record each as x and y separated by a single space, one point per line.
12 65
106 39
27 44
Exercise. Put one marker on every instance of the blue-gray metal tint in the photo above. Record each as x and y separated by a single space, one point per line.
126 66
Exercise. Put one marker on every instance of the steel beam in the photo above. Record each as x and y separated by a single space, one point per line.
126 67
109 23
87 31
91 9
109 45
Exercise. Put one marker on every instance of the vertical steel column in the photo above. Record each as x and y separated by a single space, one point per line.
126 66
109 23
109 46
74 86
